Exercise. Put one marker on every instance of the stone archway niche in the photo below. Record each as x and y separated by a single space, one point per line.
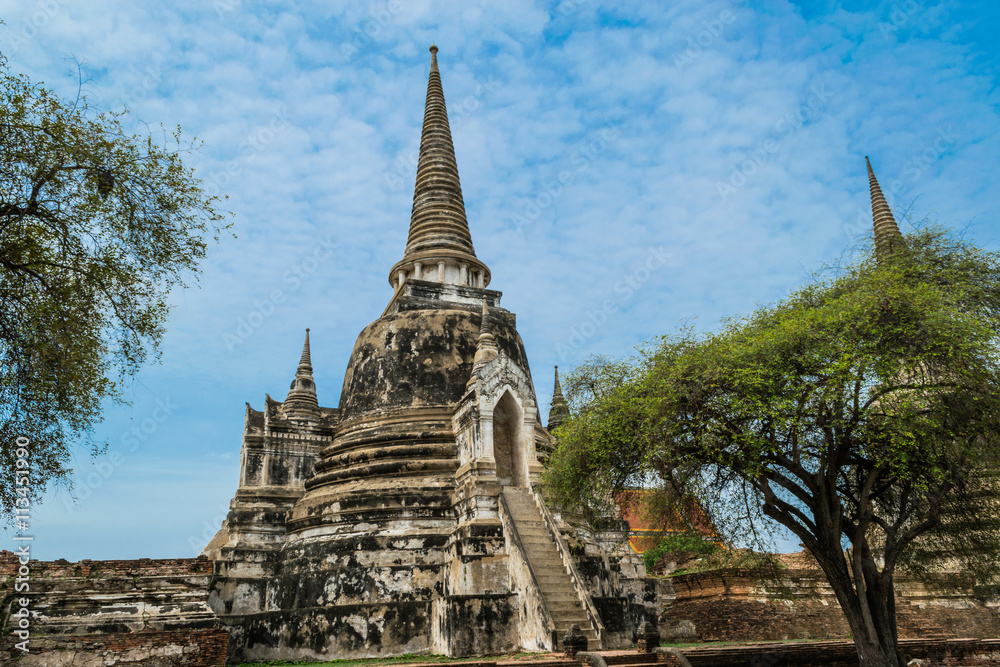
508 445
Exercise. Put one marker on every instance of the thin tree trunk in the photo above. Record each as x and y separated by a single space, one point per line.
882 601
871 650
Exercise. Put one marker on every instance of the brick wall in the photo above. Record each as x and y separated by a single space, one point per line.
935 653
189 648
113 612
735 605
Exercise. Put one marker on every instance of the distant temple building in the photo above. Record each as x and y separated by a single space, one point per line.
408 519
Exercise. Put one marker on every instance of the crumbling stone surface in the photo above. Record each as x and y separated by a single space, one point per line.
735 605
176 648
574 641
420 355
649 637
116 612
933 653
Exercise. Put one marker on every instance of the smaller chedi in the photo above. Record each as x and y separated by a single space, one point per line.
408 519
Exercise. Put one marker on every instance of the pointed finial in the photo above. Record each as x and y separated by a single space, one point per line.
559 409
305 362
484 322
887 234
301 402
486 345
486 339
439 245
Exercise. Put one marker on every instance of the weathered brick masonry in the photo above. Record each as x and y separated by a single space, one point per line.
113 612
934 653
736 605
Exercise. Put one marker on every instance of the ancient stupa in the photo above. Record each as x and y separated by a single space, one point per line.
408 518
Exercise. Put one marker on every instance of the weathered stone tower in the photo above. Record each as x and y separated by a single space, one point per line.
407 519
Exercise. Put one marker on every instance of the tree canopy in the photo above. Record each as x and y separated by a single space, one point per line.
96 227
862 411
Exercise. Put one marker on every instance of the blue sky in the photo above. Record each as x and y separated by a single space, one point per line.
626 167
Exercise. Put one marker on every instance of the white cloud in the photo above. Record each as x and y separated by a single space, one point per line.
347 84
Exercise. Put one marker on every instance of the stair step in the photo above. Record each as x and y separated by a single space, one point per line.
544 556
561 596
553 580
568 619
562 608
539 542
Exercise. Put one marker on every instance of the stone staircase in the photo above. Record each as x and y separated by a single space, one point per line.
553 580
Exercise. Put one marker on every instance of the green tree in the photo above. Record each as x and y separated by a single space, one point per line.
96 227
862 413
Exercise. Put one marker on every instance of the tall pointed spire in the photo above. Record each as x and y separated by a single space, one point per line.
301 401
887 234
439 246
559 409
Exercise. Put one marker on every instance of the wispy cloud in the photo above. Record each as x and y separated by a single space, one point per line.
303 111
